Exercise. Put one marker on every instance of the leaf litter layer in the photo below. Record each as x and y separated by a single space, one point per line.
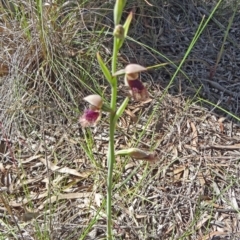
58 171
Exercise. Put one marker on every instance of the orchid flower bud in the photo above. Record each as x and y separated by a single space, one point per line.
119 31
137 154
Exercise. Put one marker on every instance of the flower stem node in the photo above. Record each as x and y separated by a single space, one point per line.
92 115
132 80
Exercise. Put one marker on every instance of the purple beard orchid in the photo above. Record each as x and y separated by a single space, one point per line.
92 115
137 89
132 80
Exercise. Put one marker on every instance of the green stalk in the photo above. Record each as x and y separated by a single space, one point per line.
111 148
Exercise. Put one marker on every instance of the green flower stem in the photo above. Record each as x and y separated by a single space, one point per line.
111 161
111 148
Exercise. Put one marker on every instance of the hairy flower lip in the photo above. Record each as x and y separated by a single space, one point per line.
135 84
137 89
94 100
90 118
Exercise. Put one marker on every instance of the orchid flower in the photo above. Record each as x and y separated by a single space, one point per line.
91 115
132 80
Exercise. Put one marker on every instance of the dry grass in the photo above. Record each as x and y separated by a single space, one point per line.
58 171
